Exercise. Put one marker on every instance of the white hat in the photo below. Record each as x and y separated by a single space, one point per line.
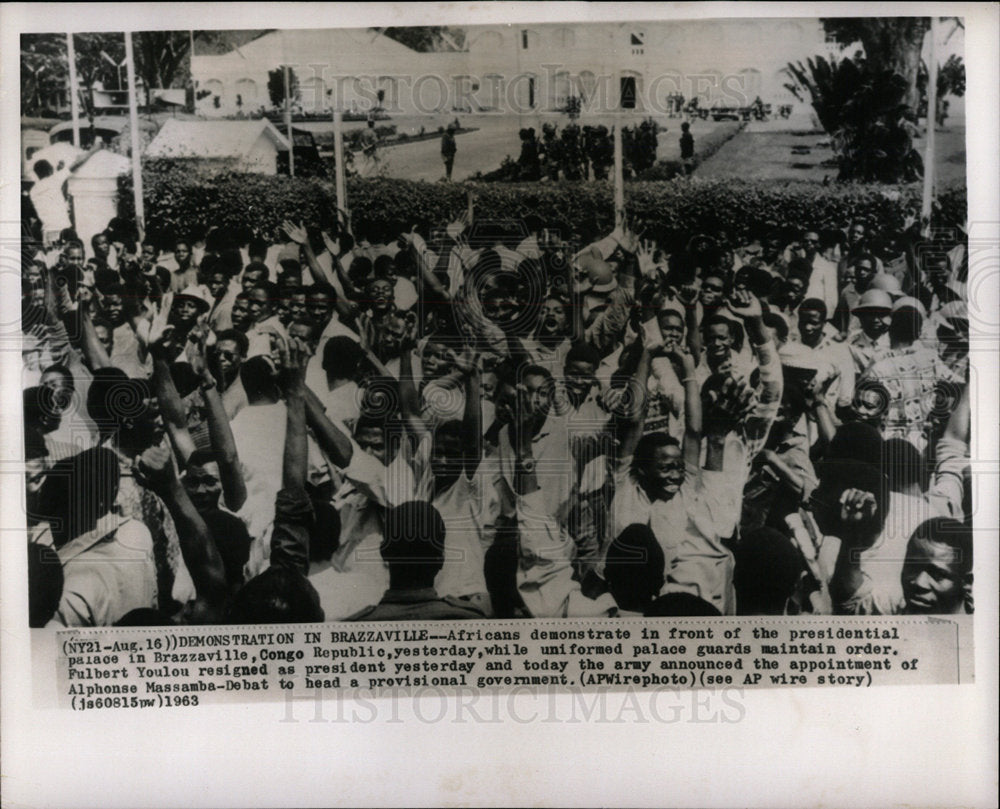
887 283
199 294
874 299
907 302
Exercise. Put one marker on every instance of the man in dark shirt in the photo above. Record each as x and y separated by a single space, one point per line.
413 547
448 149
687 147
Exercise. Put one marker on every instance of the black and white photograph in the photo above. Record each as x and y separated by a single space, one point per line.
561 321
570 323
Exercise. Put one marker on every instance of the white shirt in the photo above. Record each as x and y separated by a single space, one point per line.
107 573
689 528
469 508
343 403
50 202
545 572
405 294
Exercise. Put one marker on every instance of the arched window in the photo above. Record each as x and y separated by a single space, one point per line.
247 90
216 91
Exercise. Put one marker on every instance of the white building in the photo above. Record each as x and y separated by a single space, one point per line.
250 146
516 68
521 68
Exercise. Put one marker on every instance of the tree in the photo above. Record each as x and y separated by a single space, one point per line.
950 81
891 43
92 66
43 71
45 66
276 85
163 58
865 112
427 38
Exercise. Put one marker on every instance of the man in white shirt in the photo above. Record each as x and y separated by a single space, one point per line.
108 567
47 194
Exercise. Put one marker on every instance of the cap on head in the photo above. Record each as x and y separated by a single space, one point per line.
600 276
907 302
875 299
886 283
199 294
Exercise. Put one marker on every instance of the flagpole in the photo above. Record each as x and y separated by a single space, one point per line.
932 74
288 124
74 101
133 122
619 172
338 158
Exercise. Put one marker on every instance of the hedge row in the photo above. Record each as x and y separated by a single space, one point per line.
177 199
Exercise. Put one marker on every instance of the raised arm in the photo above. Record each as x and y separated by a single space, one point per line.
234 489
409 396
472 416
692 407
155 470
331 439
293 511
689 298
97 146
747 308
93 350
633 420
158 340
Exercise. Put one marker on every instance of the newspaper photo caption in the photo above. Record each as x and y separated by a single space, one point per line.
100 669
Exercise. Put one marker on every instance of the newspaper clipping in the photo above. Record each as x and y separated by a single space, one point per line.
475 358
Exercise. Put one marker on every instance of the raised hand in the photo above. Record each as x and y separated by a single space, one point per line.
857 506
197 353
296 233
688 294
294 358
679 354
815 390
744 304
154 469
333 245
459 226
644 254
464 363
726 407
155 333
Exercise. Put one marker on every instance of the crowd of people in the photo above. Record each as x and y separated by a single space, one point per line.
493 422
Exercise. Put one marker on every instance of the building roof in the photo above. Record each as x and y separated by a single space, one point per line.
110 123
294 45
212 139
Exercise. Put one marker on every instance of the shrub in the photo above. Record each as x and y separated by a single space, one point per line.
178 198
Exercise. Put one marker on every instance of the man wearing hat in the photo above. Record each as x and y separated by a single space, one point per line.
189 304
865 273
871 341
606 306
909 371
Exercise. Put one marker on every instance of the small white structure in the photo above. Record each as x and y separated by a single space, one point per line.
94 190
250 146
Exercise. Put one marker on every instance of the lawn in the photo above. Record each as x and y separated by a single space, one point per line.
785 156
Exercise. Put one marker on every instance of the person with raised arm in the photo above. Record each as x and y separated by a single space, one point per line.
155 470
